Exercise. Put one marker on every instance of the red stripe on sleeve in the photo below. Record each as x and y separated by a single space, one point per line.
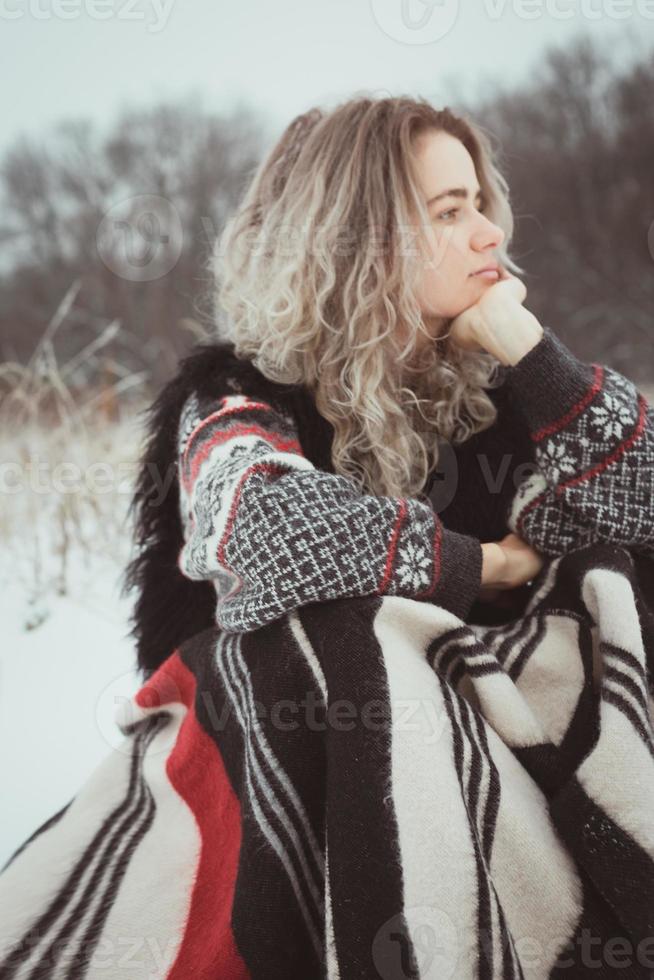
234 432
438 547
392 548
563 422
256 468
221 413
615 455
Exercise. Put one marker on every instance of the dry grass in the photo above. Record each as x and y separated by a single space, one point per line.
71 441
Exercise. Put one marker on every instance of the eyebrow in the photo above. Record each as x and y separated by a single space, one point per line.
461 192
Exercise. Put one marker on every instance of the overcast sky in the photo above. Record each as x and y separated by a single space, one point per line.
65 58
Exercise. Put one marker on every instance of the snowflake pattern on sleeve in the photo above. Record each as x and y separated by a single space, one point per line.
595 479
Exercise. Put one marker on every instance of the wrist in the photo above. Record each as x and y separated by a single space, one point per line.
510 345
493 559
550 382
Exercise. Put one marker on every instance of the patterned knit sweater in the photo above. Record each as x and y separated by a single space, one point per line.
570 460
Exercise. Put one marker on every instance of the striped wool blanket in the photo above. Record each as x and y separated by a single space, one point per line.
369 788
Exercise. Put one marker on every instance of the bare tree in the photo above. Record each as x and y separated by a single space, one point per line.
577 144
59 196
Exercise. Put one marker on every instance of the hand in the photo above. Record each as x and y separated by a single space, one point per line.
507 564
498 322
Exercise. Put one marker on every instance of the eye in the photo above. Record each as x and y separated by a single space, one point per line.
451 211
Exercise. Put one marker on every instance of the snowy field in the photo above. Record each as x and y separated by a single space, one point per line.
66 657
60 685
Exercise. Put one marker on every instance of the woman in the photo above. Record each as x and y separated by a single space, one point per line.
351 296
337 455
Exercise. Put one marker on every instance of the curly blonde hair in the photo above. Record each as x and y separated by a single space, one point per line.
342 317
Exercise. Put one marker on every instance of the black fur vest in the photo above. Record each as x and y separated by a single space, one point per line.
169 608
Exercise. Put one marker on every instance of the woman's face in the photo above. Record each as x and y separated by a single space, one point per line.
461 239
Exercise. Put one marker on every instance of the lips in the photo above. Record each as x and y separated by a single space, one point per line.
487 269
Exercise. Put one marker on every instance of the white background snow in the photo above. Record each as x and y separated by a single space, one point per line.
60 685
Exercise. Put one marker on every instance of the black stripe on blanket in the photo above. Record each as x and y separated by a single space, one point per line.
50 822
621 872
481 806
71 926
363 825
282 846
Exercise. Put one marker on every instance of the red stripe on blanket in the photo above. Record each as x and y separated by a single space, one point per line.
197 773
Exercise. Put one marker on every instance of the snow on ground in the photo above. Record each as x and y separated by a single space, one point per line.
60 686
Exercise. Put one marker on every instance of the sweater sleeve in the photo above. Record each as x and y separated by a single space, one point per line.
593 436
274 532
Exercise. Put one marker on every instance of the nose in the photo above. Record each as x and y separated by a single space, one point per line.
487 235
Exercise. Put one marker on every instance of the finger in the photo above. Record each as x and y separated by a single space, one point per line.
516 286
507 276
